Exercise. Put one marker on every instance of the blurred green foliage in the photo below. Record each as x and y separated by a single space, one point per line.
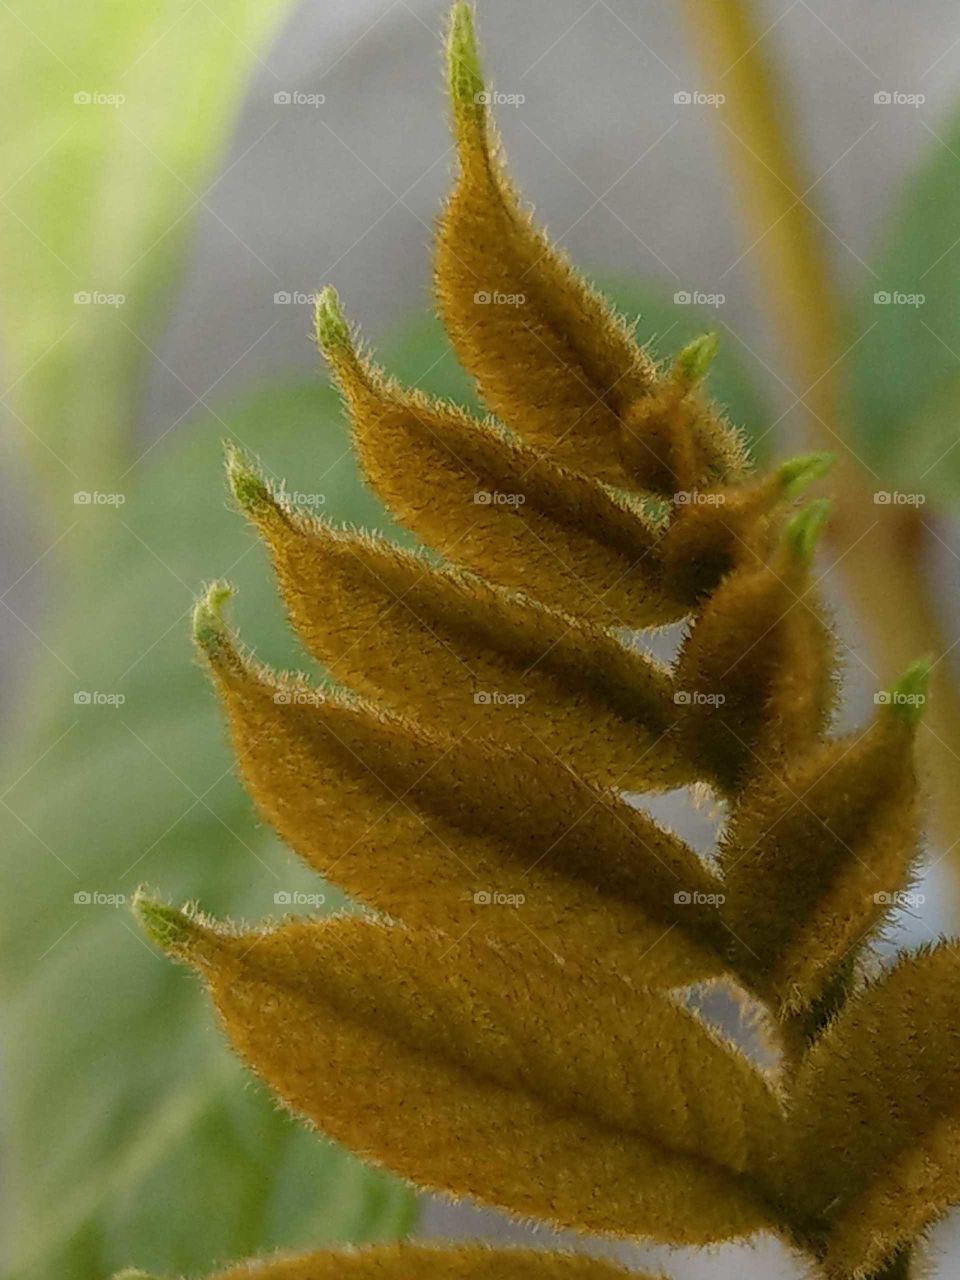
100 196
905 364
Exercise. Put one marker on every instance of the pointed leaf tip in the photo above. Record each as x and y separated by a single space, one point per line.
169 927
803 531
208 626
697 356
248 487
332 329
463 61
797 474
908 696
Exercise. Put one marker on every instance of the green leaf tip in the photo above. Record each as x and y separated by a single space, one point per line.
169 927
803 532
332 329
209 630
797 474
697 356
248 487
907 698
464 71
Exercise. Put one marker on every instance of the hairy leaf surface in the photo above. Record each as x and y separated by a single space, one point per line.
552 360
426 1262
495 505
755 673
818 855
463 656
462 834
877 1114
535 1096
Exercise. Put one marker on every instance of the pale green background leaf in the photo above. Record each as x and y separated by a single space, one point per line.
100 198
904 368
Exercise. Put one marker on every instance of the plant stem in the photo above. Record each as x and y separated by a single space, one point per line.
880 552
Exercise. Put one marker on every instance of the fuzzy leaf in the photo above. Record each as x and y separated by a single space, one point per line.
671 440
552 359
464 1262
877 1115
461 656
754 677
818 854
461 834
427 1262
425 359
494 505
713 532
499 508
578 1100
